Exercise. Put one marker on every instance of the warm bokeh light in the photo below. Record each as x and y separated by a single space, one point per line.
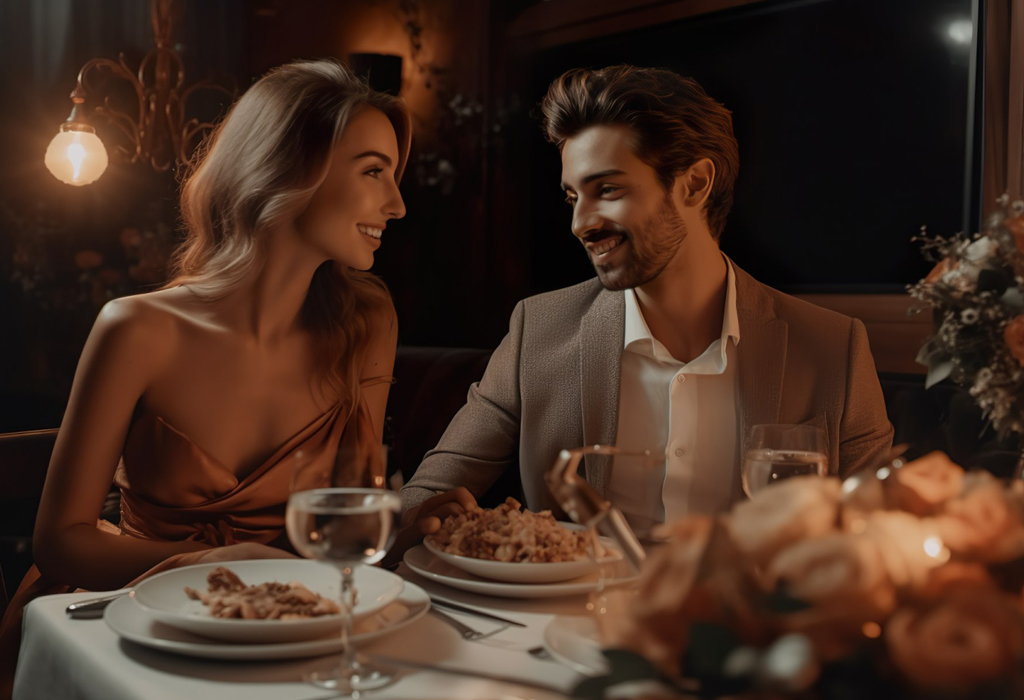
872 630
76 155
933 546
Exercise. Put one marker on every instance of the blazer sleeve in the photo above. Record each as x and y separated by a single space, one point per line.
482 440
865 431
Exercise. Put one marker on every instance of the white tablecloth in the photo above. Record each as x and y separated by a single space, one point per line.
63 659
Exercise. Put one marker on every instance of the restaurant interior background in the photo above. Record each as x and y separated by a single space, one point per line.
858 122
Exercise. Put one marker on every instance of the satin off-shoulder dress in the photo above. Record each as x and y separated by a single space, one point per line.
173 490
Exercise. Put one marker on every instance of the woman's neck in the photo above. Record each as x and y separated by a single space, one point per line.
267 305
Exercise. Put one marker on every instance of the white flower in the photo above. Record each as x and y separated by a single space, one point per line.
981 250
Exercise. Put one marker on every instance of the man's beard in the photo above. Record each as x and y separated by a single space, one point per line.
652 245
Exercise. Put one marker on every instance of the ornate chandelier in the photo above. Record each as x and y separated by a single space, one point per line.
158 133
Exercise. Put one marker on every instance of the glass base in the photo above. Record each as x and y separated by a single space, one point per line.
362 679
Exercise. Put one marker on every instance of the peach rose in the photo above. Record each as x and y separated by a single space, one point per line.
984 524
795 509
655 622
844 578
698 576
900 539
957 642
1013 335
923 485
953 575
838 570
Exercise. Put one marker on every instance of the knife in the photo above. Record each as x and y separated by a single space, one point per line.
440 602
92 609
420 666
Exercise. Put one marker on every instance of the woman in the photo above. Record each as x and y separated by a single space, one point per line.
271 342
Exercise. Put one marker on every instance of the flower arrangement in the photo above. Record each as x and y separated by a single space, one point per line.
975 293
899 582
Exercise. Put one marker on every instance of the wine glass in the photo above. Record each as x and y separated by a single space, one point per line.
777 452
331 520
586 506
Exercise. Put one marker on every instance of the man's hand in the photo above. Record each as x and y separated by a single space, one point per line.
426 518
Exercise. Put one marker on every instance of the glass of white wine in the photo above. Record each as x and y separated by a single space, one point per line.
345 527
777 452
338 514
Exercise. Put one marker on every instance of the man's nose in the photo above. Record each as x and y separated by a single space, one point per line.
584 220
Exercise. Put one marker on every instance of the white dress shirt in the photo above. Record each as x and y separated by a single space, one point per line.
686 414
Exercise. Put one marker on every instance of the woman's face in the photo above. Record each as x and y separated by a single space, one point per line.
347 214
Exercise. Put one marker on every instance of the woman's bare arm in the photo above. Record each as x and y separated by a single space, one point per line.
127 347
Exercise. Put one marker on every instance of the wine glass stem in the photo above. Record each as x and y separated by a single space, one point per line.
349 664
596 599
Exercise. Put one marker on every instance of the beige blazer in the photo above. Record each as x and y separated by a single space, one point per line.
553 383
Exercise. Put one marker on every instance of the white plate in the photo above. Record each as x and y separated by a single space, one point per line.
574 641
528 572
132 622
420 560
163 596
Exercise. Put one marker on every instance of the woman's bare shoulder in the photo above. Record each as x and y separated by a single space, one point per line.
150 322
383 326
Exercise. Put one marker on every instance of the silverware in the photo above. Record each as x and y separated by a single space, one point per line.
473 611
93 608
540 653
466 631
402 663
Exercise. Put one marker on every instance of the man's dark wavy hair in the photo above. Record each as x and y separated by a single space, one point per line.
673 121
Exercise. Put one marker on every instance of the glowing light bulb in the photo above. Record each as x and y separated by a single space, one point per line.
933 547
76 155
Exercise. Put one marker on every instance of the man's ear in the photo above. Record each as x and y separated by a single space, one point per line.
696 183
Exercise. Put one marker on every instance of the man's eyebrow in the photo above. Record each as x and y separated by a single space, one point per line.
597 176
377 154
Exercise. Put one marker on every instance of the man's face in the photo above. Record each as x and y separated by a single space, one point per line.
622 215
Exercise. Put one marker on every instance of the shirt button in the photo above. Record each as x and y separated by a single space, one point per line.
680 378
679 452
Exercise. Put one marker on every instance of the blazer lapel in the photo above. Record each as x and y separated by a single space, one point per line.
602 331
761 354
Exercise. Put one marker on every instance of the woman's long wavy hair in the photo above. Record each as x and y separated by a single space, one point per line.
258 169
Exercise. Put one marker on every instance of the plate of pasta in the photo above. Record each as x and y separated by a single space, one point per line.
514 545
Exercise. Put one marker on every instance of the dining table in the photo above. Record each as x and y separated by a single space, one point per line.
83 659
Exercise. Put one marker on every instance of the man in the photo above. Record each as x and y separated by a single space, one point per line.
672 348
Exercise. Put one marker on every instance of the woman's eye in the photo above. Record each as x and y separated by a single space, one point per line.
374 172
608 190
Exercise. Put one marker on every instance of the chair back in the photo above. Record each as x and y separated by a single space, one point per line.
24 458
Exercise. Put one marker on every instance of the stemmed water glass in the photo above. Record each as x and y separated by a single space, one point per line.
332 518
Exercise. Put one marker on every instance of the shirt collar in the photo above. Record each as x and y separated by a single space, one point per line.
638 335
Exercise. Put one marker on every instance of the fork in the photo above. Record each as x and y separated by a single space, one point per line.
464 630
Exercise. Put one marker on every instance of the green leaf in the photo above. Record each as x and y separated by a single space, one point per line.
707 650
623 666
937 372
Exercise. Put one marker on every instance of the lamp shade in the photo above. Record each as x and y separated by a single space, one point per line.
76 155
